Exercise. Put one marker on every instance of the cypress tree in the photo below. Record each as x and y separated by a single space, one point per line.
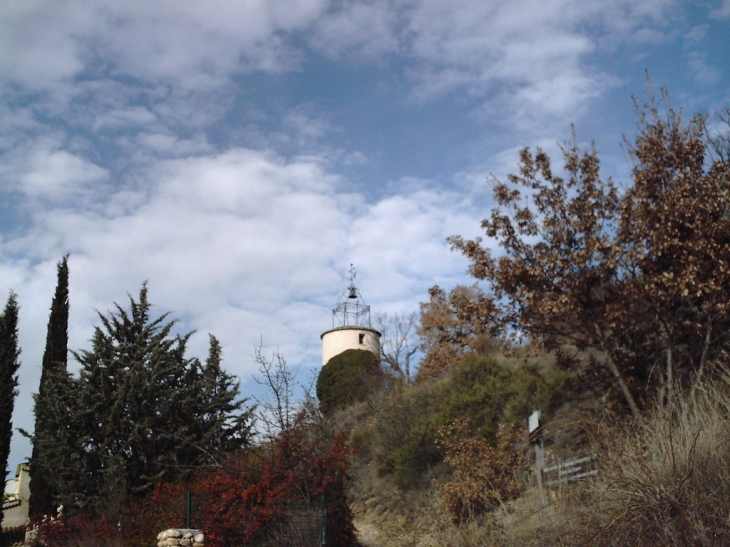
9 363
51 403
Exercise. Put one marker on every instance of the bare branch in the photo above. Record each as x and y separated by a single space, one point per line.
276 410
399 342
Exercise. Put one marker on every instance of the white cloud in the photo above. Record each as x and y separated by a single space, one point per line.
43 171
149 145
697 61
15 125
40 41
195 44
537 52
366 29
122 118
473 44
157 67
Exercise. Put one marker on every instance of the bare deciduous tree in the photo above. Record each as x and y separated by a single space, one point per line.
399 341
279 410
720 134
275 409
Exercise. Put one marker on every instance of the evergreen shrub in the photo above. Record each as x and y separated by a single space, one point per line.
347 378
405 427
482 391
491 394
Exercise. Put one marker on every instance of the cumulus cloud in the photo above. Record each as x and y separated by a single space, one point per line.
42 170
34 32
248 245
540 51
196 44
122 118
113 65
367 29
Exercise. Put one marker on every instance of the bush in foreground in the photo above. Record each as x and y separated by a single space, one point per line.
261 497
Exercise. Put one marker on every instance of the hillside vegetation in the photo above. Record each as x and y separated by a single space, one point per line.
662 480
605 309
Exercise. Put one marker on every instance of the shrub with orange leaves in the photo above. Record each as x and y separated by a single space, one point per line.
261 496
484 475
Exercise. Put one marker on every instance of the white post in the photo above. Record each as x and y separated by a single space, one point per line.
536 438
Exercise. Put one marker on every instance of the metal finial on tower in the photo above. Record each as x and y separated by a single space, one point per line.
351 310
352 288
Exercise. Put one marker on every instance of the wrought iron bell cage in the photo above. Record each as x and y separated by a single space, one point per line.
351 310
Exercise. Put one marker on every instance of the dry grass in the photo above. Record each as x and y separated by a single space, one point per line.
669 484
663 481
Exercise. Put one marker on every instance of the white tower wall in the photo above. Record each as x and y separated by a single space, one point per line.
337 340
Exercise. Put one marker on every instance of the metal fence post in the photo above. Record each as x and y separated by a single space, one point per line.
189 508
324 520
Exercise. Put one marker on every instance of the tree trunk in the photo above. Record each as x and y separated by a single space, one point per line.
613 367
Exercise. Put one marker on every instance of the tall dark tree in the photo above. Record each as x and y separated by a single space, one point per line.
9 363
52 418
144 412
213 417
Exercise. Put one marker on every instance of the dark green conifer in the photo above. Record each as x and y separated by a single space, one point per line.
52 419
145 412
9 363
214 410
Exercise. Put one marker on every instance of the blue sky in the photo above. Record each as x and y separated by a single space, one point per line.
239 155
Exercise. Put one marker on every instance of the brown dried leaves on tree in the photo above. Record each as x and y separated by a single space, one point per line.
640 280
454 324
676 233
484 475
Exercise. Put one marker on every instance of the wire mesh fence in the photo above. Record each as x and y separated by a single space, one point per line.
304 525
293 524
12 536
